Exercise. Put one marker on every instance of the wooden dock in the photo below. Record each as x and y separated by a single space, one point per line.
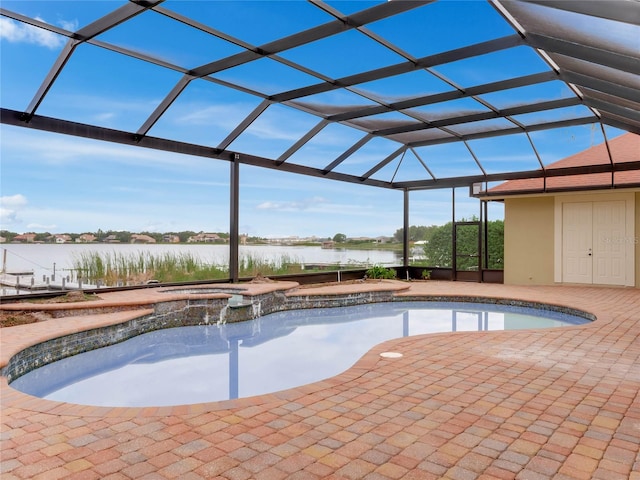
27 281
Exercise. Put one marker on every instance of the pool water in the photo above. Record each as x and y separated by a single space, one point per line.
205 363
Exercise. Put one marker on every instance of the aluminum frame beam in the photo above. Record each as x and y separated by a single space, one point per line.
483 48
164 105
624 11
384 162
599 56
421 101
86 33
303 141
475 117
14 118
600 85
347 153
525 174
507 131
242 126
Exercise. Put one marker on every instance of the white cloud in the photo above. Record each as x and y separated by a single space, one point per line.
39 226
8 217
17 200
291 206
272 129
225 116
271 205
270 125
318 210
61 149
71 26
9 209
106 116
17 32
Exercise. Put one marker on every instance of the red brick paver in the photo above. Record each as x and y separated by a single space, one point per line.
532 404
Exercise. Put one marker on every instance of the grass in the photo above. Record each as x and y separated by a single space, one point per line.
71 297
113 268
12 319
250 266
391 246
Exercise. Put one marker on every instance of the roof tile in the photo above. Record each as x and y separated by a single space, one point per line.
625 148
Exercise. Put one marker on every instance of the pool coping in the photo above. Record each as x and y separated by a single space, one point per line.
68 327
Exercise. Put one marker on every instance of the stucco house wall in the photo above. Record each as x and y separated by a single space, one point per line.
528 241
532 235
637 239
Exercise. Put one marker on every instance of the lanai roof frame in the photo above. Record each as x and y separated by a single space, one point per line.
547 47
600 67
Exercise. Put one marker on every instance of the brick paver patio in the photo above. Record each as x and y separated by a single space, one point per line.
533 404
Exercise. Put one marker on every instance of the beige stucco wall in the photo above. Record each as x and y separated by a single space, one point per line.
530 237
528 240
637 239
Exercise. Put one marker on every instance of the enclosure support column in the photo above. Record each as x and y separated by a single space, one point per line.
481 243
405 231
486 233
454 253
234 187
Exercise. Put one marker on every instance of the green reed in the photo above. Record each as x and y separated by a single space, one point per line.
113 268
251 265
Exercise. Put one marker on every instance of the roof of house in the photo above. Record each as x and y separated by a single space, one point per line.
623 149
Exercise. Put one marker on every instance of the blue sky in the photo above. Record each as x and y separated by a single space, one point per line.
62 184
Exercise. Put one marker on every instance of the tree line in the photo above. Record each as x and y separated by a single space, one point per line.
120 236
438 244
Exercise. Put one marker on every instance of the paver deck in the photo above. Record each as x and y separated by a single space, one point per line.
532 404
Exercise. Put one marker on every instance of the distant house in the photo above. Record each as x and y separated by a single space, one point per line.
285 240
138 238
25 238
206 238
171 238
111 239
370 239
86 238
62 238
576 229
3 240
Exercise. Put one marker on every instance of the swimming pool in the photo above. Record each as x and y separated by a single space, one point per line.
205 363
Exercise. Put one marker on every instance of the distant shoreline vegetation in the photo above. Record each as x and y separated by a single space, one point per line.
135 268
186 237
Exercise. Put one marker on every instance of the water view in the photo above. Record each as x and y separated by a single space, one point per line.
55 262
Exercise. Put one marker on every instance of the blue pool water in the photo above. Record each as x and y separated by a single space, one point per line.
278 351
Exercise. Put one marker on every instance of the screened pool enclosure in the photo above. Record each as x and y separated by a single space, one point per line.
406 96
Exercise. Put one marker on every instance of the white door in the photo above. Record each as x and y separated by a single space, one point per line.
609 243
577 250
593 246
